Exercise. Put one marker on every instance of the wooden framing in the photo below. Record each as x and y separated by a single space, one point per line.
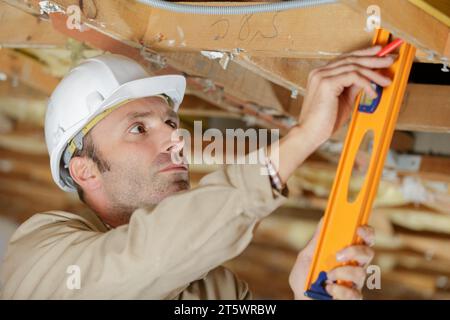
289 73
425 108
262 73
320 33
406 20
27 70
33 32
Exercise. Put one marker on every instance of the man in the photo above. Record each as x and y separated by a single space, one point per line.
108 130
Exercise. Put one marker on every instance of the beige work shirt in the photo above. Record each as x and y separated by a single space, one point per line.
170 251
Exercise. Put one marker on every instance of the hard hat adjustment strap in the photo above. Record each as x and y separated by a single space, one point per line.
76 143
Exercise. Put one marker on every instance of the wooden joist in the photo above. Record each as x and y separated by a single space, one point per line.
109 41
425 108
235 80
440 9
32 143
22 104
23 29
411 23
290 73
321 33
417 220
287 72
197 108
55 197
270 34
34 166
432 246
31 111
24 69
317 32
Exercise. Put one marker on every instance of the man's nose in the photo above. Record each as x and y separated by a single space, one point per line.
175 143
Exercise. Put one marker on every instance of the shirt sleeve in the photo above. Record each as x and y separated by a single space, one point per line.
218 284
156 256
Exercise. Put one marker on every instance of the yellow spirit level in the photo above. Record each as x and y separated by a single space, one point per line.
342 216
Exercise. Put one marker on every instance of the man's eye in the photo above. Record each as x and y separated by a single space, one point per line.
138 128
172 123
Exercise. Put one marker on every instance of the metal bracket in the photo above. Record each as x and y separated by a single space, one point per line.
47 7
153 57
224 57
294 93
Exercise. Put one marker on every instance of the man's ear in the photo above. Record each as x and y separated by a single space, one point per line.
84 172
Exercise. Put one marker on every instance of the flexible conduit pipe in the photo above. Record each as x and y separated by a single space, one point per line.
230 10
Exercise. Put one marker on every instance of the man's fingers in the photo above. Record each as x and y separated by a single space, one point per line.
339 292
357 275
362 254
366 72
367 234
359 55
368 62
370 51
338 83
366 52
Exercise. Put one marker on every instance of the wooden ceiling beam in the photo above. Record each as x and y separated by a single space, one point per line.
196 107
235 80
28 143
321 32
36 191
315 32
25 29
440 9
425 108
269 34
22 103
24 69
221 94
11 167
411 23
290 73
214 94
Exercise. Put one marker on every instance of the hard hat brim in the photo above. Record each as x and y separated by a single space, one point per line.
172 85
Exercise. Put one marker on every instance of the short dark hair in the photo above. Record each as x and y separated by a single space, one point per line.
91 151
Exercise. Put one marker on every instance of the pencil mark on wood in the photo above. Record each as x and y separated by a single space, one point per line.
274 33
246 31
222 25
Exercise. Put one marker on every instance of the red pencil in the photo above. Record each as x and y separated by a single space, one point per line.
390 47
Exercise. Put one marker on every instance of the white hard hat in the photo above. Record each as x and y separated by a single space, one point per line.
95 87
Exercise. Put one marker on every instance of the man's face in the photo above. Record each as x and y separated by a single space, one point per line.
136 141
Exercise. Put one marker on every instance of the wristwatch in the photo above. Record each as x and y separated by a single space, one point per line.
275 179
